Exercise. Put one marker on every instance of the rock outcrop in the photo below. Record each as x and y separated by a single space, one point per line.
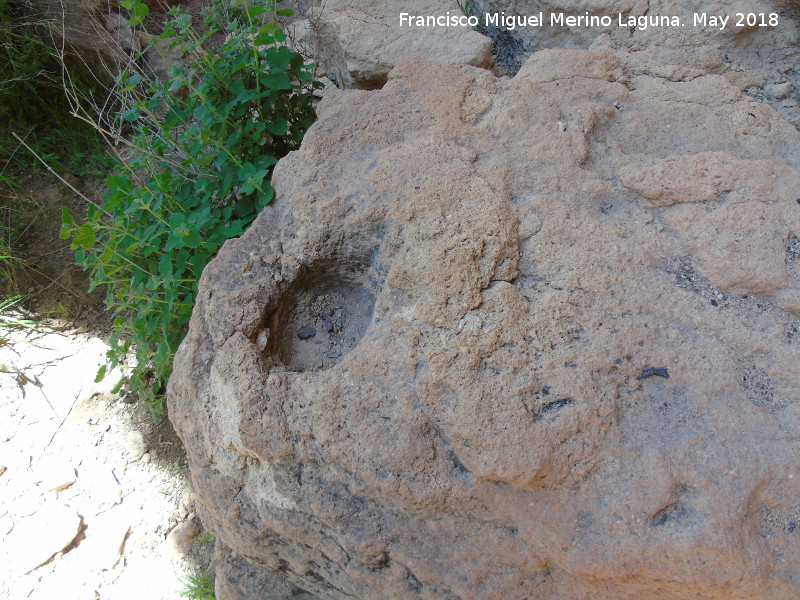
96 39
357 42
756 51
509 338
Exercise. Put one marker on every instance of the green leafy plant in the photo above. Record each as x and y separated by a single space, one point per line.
208 538
10 297
10 320
203 146
8 261
11 323
467 7
199 587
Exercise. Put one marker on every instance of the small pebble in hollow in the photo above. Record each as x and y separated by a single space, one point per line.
306 332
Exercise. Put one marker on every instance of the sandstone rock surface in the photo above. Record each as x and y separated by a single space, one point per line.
556 346
360 41
755 51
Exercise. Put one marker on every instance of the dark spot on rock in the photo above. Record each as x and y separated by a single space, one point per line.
546 390
654 371
714 302
792 526
295 592
314 575
306 332
382 562
457 464
673 512
551 408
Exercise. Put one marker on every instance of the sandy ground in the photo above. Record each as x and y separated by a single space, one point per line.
94 496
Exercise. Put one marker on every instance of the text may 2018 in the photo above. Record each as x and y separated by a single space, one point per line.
510 22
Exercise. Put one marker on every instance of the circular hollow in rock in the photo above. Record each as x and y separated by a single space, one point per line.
318 321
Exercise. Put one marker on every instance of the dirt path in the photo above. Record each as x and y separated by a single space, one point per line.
90 487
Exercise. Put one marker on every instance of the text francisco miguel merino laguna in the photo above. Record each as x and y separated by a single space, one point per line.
511 22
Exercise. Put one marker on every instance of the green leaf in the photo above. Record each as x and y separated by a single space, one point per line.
265 197
277 81
234 138
66 218
176 84
280 58
177 220
139 11
118 386
193 239
278 127
251 178
115 182
245 206
255 11
263 38
165 268
234 229
101 373
85 237
67 224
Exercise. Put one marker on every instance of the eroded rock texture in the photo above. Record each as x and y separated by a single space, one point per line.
756 52
555 349
357 42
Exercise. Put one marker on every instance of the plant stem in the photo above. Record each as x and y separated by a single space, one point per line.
64 181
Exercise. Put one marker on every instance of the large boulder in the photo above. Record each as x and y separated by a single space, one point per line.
509 338
357 42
